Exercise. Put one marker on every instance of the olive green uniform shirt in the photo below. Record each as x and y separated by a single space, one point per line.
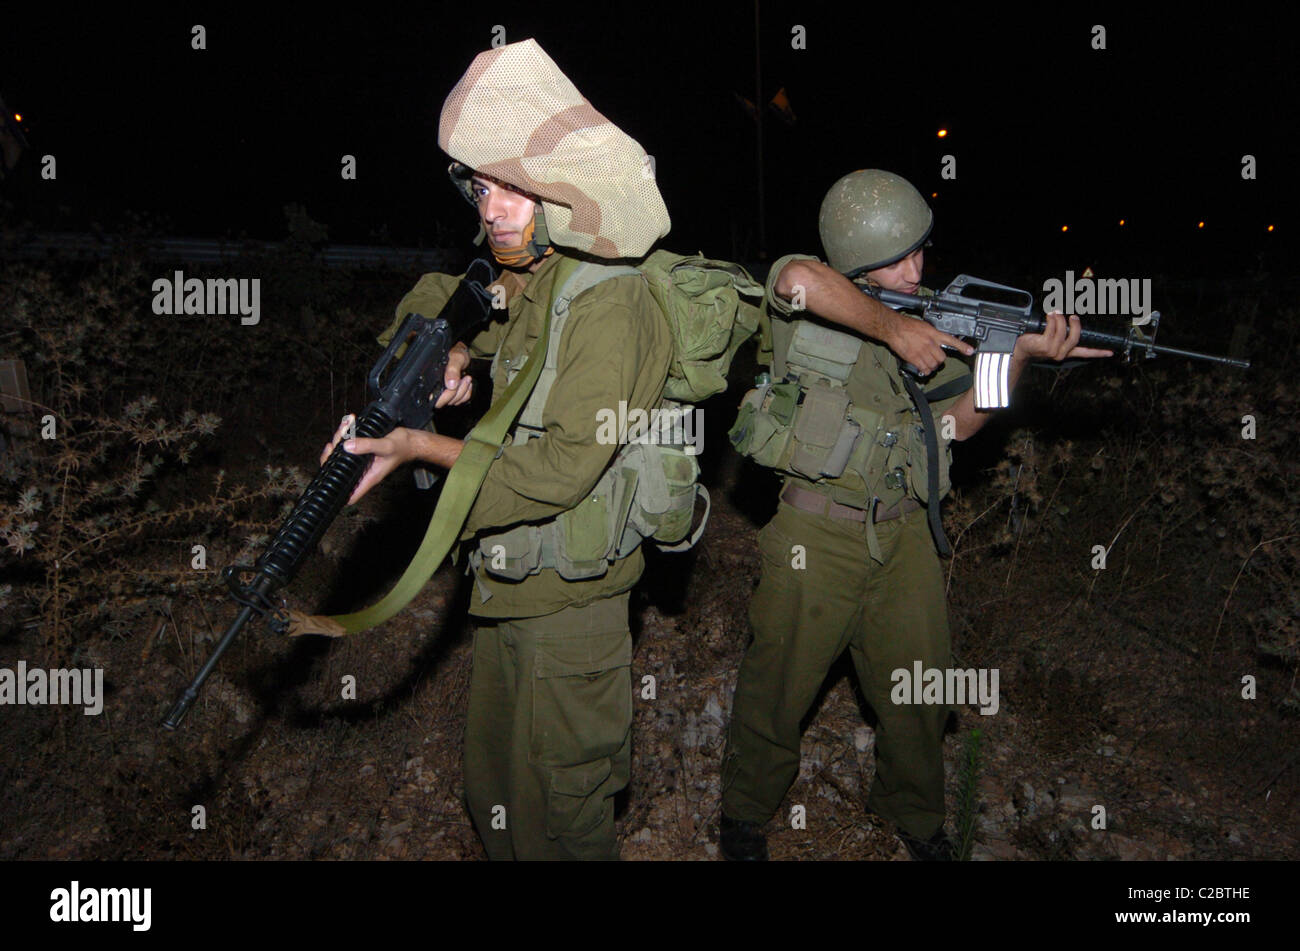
616 346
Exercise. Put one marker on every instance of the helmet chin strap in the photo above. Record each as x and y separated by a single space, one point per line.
535 245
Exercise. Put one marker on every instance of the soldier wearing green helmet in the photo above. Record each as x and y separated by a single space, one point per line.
871 219
849 560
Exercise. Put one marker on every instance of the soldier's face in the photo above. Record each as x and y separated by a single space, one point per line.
504 210
903 275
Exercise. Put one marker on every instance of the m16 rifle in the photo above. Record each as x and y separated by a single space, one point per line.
993 316
402 396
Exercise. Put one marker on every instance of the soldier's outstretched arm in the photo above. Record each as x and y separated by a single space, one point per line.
1060 341
816 287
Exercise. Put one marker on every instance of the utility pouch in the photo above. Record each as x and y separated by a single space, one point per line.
581 535
666 489
763 426
513 554
918 463
822 428
842 451
829 353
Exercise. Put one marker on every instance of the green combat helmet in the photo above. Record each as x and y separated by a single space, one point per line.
870 219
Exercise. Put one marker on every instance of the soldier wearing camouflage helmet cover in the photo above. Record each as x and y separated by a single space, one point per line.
548 730
849 560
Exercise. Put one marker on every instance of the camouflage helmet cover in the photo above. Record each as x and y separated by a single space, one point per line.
516 117
870 219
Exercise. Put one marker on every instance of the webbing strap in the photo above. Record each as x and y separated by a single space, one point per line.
461 488
931 467
954 387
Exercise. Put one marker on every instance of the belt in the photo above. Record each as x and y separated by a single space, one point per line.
809 501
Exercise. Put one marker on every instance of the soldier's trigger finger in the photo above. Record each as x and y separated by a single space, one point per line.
956 344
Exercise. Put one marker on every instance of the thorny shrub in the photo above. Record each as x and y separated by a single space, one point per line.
98 523
97 518
1171 469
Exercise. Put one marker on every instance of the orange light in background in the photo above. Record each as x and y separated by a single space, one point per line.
1065 227
934 194
17 117
1121 222
942 133
1200 224
1270 227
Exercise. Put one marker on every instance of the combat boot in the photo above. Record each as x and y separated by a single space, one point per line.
938 848
742 841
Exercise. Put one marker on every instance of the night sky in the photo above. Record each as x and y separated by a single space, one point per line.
1046 130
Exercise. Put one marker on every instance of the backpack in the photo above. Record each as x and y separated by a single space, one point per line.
649 490
708 317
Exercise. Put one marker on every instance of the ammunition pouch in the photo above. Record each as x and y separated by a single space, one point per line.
807 426
648 492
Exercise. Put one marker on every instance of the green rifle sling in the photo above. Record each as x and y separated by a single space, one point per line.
463 482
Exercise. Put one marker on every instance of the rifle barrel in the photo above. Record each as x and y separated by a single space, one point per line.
186 699
1212 357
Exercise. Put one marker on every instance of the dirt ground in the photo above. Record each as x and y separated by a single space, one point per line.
1100 705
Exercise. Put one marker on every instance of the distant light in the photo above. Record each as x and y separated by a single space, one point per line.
1200 224
1065 227
1121 222
18 117
942 133
934 194
1270 227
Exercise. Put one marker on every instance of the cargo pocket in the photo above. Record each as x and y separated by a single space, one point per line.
572 807
582 697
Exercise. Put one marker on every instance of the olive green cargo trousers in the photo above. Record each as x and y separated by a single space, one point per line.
548 736
888 616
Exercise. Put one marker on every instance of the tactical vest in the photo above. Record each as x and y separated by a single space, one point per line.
834 413
648 490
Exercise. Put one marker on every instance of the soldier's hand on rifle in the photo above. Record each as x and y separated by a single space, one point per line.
400 446
1059 341
458 386
916 342
387 453
814 286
